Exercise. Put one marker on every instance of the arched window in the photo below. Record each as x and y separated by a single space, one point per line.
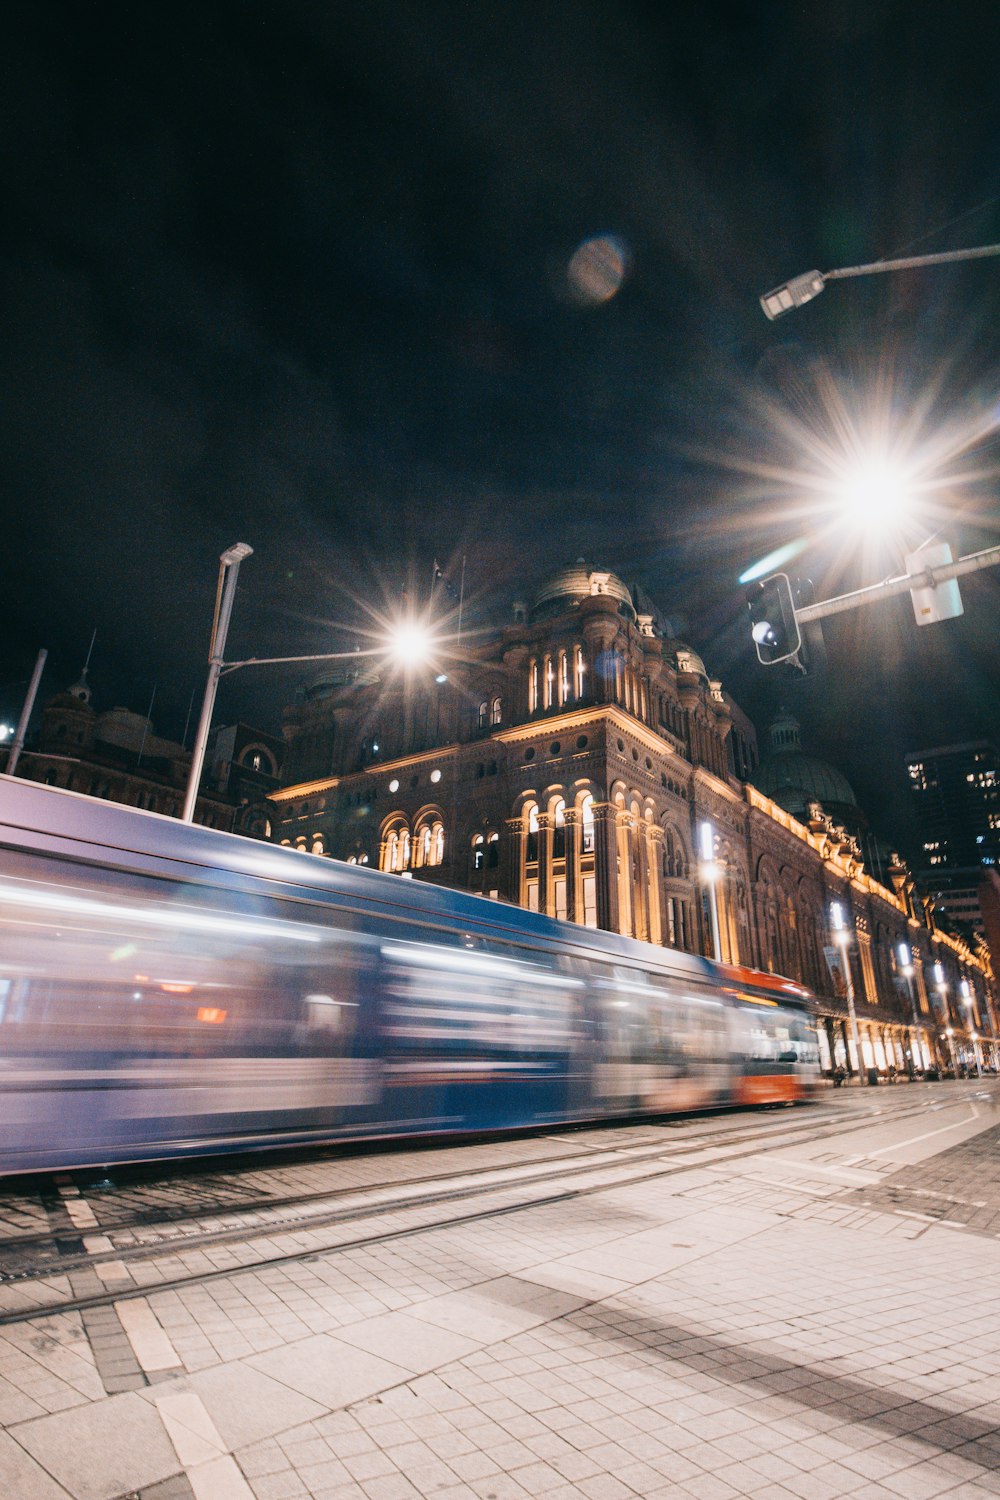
559 829
484 714
578 670
493 851
563 677
532 685
587 823
478 852
495 711
396 849
532 848
257 758
428 842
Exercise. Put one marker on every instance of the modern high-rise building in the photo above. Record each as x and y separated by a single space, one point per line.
956 792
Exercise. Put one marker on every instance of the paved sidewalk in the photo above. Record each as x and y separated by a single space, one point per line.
720 1333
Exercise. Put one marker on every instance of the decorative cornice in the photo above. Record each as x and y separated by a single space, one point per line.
578 718
378 768
844 865
304 789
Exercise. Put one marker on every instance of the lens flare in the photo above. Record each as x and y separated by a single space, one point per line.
875 493
774 561
410 643
597 269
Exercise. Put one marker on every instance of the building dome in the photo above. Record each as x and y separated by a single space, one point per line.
577 582
793 779
684 659
362 672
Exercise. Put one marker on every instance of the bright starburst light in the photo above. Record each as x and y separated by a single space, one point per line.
875 493
858 472
410 643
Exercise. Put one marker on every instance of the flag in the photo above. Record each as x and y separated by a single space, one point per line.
440 577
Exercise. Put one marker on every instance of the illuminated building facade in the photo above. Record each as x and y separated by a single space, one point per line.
572 764
117 755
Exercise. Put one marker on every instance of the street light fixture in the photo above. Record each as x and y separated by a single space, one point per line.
802 289
842 937
408 643
874 493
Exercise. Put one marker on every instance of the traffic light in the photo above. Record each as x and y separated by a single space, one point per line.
773 625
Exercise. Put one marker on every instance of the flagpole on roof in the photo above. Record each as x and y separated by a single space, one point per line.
461 597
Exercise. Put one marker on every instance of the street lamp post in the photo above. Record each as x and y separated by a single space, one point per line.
942 988
802 289
409 643
968 1000
905 958
710 874
842 938
229 567
22 724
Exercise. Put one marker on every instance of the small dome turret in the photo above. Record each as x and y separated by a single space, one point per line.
580 581
794 780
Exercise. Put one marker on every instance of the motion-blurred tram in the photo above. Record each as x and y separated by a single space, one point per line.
169 990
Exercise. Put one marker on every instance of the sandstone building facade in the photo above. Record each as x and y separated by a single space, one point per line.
117 755
581 762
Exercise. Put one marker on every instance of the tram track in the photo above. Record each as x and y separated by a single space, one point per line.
172 1219
305 1226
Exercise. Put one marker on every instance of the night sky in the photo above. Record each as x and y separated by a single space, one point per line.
373 285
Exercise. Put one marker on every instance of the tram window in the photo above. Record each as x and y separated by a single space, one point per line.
774 1035
446 999
118 966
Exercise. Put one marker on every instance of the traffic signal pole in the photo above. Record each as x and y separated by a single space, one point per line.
929 578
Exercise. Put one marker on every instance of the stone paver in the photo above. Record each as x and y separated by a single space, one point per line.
723 1332
104 1449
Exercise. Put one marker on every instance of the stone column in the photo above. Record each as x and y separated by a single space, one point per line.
546 889
626 885
831 1039
606 865
574 885
510 877
848 1065
640 887
654 877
